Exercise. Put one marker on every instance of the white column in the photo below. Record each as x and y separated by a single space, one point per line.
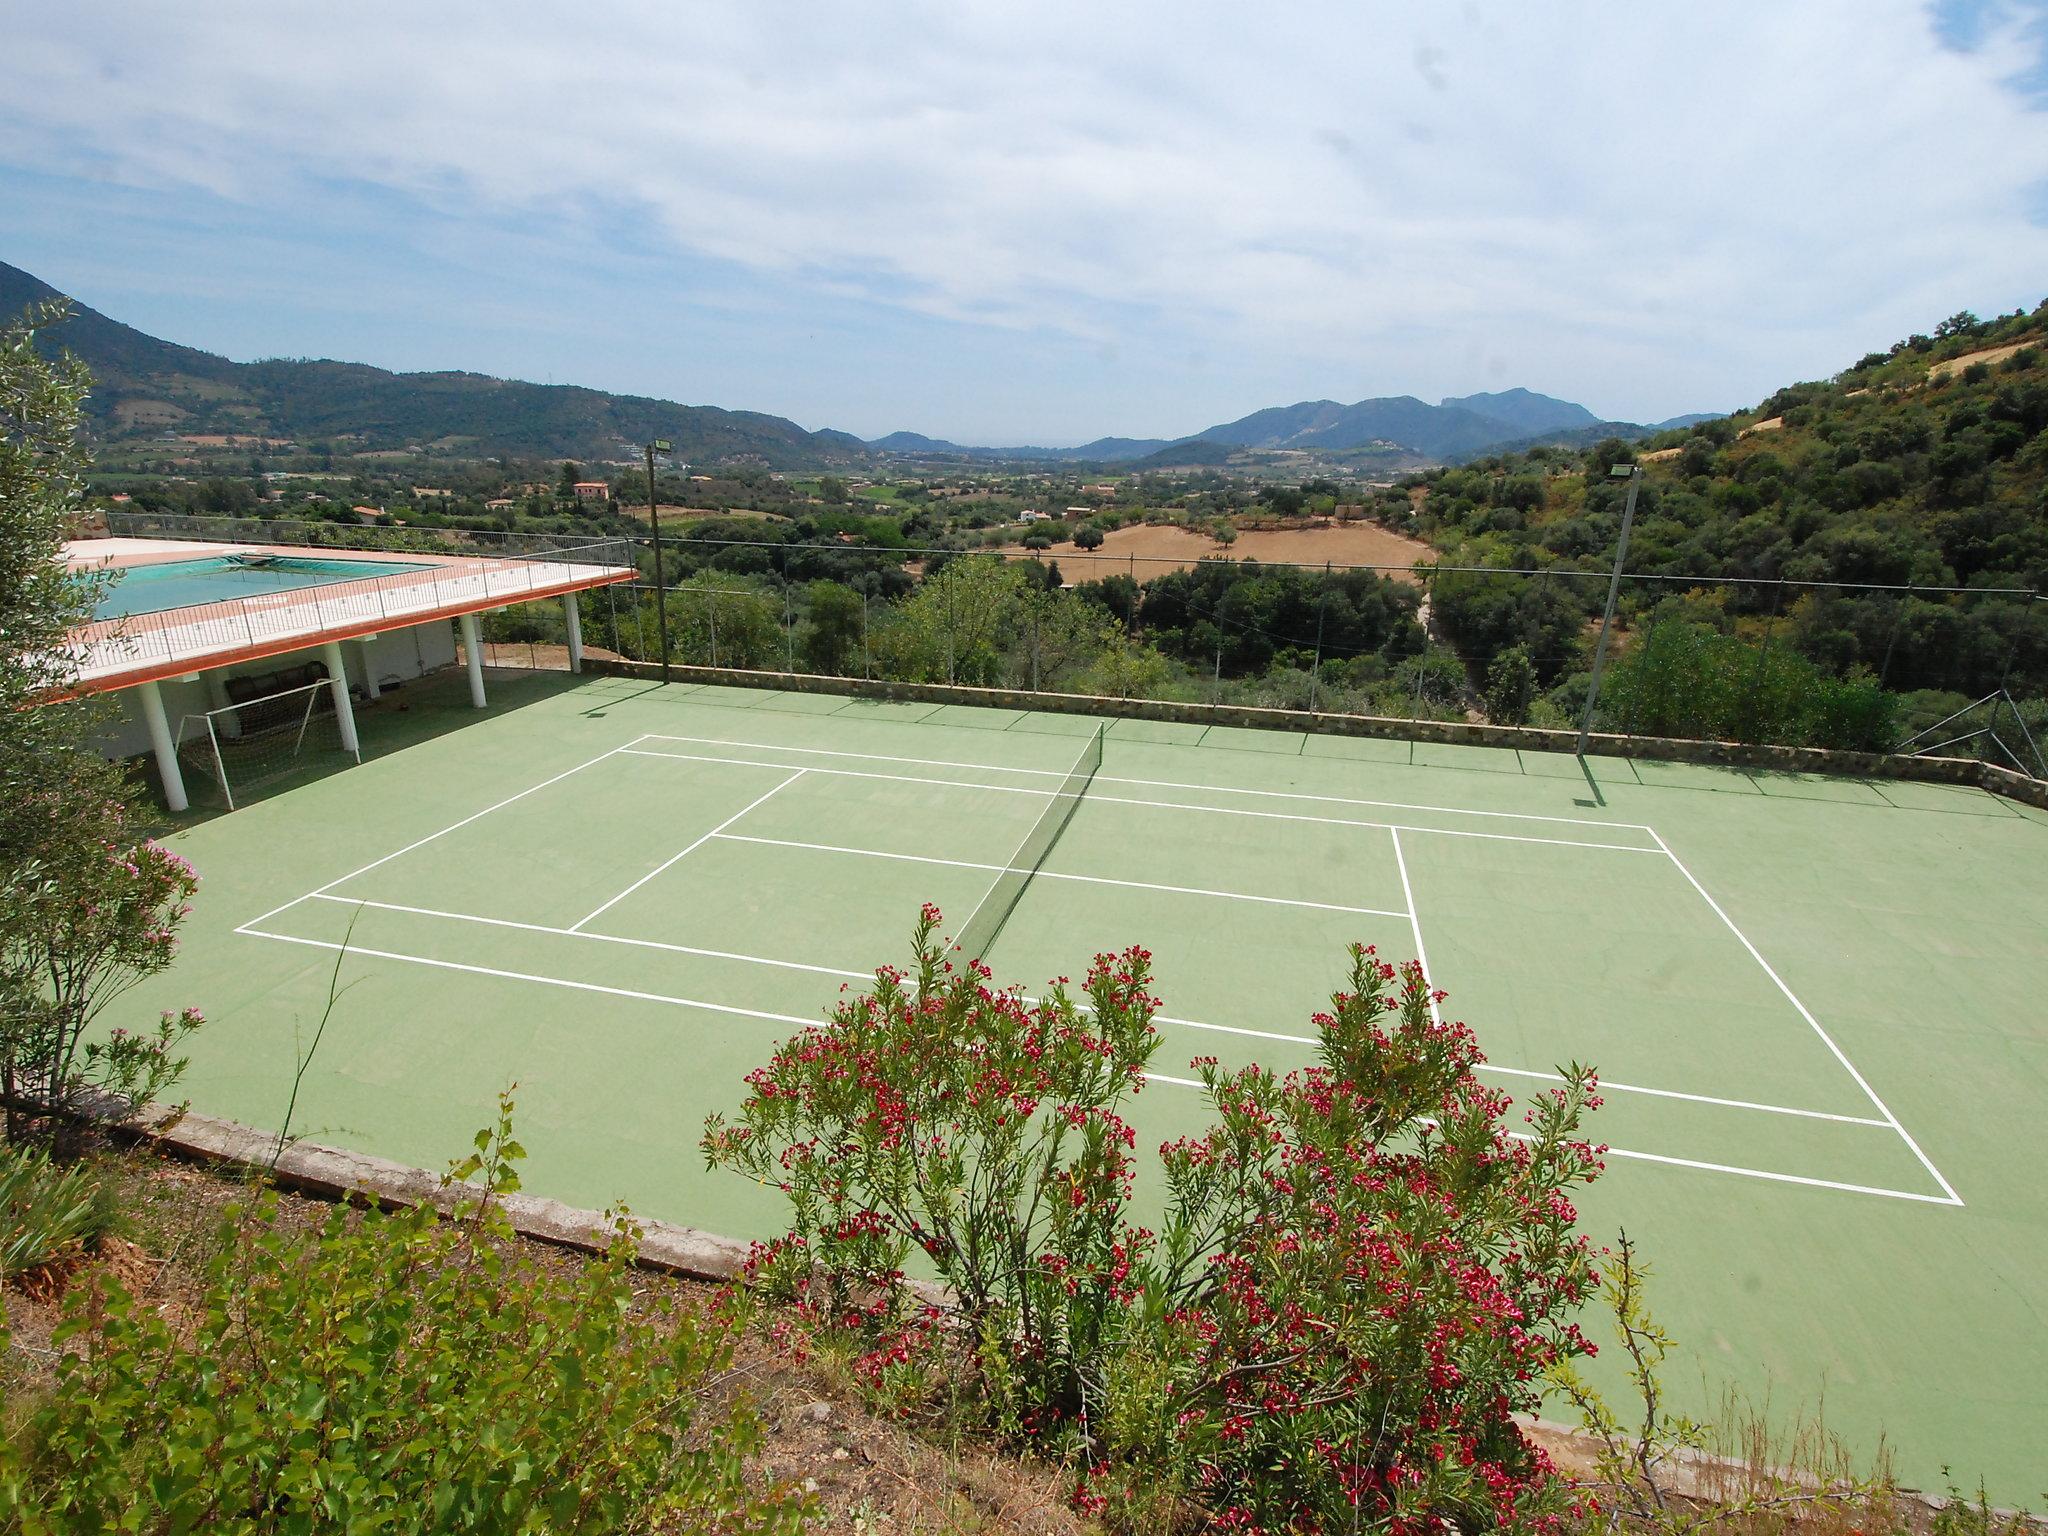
574 614
160 743
473 649
369 668
337 684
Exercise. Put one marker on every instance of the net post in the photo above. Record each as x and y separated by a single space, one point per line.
220 767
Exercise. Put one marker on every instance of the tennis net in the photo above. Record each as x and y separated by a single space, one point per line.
978 933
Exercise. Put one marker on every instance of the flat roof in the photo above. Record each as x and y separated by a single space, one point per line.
144 647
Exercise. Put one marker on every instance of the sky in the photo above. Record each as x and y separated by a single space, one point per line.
1043 223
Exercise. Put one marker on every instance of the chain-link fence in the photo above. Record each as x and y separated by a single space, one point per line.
1859 666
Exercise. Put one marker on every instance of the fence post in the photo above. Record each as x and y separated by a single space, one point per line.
711 604
788 624
1628 517
1315 677
1763 662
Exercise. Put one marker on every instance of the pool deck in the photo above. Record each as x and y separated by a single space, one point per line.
147 647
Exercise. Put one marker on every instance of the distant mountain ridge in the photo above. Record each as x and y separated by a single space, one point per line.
145 387
1454 428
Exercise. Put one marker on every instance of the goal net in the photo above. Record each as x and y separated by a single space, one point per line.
239 746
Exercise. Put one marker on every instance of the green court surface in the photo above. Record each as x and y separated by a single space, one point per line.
1819 1007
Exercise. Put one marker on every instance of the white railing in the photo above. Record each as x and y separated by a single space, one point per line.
303 613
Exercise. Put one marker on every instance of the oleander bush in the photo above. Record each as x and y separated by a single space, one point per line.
1363 1270
395 1372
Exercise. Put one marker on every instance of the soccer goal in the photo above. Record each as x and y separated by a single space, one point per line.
239 746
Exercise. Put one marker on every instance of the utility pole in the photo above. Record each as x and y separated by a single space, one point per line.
1633 473
659 445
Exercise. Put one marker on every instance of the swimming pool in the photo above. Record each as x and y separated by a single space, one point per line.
187 583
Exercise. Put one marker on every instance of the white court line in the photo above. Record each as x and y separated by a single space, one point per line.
1691 1162
1106 778
595 938
451 827
699 843
785 1018
1826 1039
1162 805
1698 1098
1415 924
1047 874
545 981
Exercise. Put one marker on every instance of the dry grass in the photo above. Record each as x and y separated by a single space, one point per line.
1147 550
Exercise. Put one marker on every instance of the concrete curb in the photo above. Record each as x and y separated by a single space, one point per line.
333 1174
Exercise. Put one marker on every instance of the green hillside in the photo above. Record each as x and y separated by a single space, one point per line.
145 387
1921 468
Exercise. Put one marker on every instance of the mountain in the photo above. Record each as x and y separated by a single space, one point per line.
1526 411
1104 450
1909 493
145 387
1400 420
1673 423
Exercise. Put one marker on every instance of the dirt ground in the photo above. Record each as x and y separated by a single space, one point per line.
1152 549
867 1474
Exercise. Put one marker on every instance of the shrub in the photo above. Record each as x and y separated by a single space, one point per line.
398 1372
94 910
1361 1275
44 1210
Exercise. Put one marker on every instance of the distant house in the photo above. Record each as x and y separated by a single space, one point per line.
1099 490
1034 517
593 490
1079 511
500 504
430 490
367 514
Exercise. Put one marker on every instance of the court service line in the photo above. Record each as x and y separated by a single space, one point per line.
451 827
1108 778
1415 924
1549 1077
1826 1039
1691 1162
545 981
1047 874
1162 805
599 938
699 843
785 1018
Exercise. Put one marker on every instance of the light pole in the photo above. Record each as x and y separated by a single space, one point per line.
660 445
1633 474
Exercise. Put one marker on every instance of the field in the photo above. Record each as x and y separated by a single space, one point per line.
1815 1003
1161 547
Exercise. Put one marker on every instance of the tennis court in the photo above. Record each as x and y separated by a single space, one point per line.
1817 1006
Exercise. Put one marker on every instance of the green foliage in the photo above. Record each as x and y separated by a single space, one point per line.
833 625
1360 1276
1683 678
88 905
44 1210
396 1372
1511 686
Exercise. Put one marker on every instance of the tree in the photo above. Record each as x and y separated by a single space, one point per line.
832 629
565 483
833 491
88 905
1510 686
1087 536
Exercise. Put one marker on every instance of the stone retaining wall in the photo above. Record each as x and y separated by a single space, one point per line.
1729 754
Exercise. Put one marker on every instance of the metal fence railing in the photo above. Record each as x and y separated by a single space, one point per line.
303 613
1760 659
307 533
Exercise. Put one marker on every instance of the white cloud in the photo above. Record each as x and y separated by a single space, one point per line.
1652 209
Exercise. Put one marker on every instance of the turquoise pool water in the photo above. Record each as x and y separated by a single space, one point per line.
187 583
